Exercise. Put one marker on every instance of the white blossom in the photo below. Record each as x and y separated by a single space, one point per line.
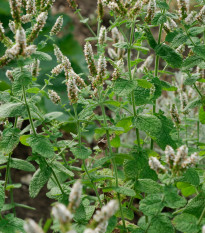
61 213
32 227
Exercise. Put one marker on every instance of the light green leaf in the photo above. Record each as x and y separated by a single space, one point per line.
81 152
9 140
21 165
186 223
202 115
41 145
58 166
39 179
41 56
122 190
11 110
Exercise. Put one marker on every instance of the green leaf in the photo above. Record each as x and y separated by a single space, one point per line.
127 213
148 186
2 196
150 38
191 62
186 189
202 115
115 142
160 224
191 177
186 223
11 224
200 50
21 165
167 86
122 190
169 55
162 4
144 83
194 31
191 80
159 18
148 123
41 145
125 123
196 205
172 199
11 110
39 179
41 56
9 140
151 204
178 40
193 104
123 87
142 96
112 222
81 152
58 166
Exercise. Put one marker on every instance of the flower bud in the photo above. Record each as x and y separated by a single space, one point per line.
26 18
88 51
170 155
9 75
175 115
57 26
59 55
102 36
72 90
201 16
155 164
61 213
75 195
182 6
15 6
35 68
150 11
181 156
54 97
31 7
31 227
73 4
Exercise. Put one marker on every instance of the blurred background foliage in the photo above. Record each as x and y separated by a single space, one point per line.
68 45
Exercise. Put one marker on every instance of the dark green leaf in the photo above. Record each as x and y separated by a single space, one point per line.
81 152
123 87
161 224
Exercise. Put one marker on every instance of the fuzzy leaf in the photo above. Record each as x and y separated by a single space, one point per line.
159 18
81 152
148 186
9 140
152 204
169 55
195 205
58 166
122 190
11 110
200 50
191 62
41 56
194 31
179 40
41 145
11 224
191 177
172 199
39 179
161 224
186 223
123 87
22 165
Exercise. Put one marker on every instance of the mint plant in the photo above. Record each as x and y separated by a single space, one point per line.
135 120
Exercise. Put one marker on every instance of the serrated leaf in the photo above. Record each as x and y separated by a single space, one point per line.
58 166
123 87
200 50
193 104
11 224
191 177
127 213
39 179
194 31
169 55
11 110
178 40
172 199
9 140
122 190
191 62
162 4
81 152
41 145
159 18
150 38
167 86
196 205
191 80
148 123
186 223
160 224
148 186
21 165
41 56
152 204
186 189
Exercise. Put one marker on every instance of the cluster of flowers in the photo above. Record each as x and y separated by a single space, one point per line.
176 162
64 214
73 80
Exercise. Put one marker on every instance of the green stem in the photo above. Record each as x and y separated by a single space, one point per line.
198 132
114 164
131 77
84 164
201 217
186 130
156 75
196 88
88 26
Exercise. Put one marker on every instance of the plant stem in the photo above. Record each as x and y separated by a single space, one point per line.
201 217
131 77
114 164
186 129
156 75
88 26
84 164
